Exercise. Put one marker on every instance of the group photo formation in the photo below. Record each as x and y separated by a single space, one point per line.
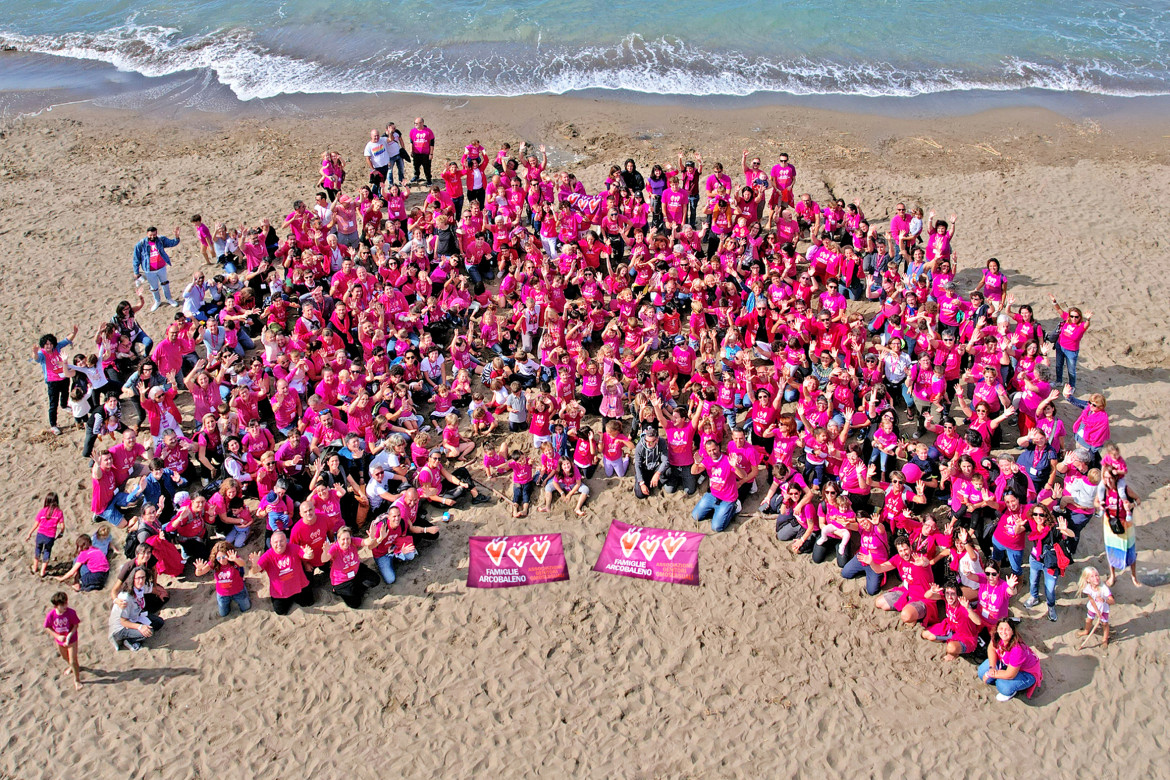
338 391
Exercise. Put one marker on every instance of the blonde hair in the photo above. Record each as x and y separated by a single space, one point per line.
1084 578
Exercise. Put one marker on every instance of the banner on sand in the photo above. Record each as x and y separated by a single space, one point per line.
512 561
650 554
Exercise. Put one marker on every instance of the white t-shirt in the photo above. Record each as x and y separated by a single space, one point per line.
379 152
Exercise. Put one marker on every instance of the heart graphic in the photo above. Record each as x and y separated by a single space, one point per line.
629 541
672 544
649 547
539 549
518 554
495 551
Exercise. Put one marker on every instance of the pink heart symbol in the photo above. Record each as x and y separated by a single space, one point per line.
518 554
629 541
539 549
649 547
672 544
495 551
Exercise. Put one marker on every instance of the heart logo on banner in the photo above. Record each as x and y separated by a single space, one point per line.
649 547
518 554
495 551
629 541
539 549
672 544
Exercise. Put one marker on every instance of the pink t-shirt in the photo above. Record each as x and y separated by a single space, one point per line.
48 521
1071 333
344 563
1022 657
228 580
94 558
63 623
286 575
722 478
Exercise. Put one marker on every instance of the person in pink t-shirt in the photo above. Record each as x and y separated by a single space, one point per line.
61 623
1011 666
1073 325
956 629
721 502
422 149
284 564
49 524
349 578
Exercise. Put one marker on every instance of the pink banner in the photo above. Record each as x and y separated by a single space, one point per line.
512 561
650 554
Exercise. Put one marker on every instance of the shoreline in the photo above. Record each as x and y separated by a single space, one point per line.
34 83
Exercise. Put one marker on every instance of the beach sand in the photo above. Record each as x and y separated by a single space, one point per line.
772 667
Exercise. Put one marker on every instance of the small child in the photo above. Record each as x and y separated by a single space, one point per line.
494 460
1100 597
206 245
483 422
1111 457
616 448
521 467
61 623
49 524
453 444
101 538
517 408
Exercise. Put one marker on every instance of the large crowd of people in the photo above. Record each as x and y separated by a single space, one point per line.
399 346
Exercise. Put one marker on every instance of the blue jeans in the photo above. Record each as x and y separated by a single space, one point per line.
1015 558
1063 357
721 512
1021 682
854 568
1036 570
225 602
146 341
237 537
385 566
112 514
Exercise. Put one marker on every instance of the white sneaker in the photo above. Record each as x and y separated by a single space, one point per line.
1004 696
156 305
174 304
56 431
738 506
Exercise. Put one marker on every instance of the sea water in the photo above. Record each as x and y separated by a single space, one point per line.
684 47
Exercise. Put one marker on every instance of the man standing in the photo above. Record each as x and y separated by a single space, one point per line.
422 148
394 143
151 261
378 158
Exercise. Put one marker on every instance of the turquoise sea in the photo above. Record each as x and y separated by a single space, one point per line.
686 47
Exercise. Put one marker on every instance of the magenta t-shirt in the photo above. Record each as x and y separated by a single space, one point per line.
343 563
722 478
94 558
62 623
286 574
1071 333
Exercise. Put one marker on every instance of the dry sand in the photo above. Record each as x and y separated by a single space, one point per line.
772 667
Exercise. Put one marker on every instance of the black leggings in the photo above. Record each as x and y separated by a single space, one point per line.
305 598
352 591
58 398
